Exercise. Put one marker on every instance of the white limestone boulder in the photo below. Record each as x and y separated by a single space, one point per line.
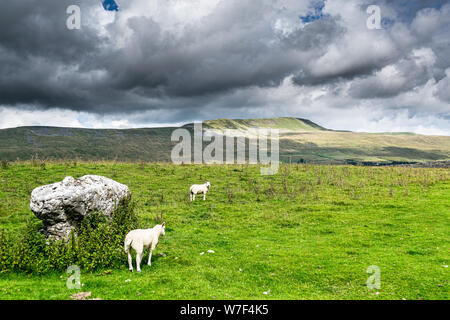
63 205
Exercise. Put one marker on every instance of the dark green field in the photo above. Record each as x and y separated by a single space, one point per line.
309 232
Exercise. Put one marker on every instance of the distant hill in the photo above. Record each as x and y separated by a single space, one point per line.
286 124
301 140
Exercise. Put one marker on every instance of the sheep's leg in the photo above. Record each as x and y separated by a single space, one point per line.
150 258
193 197
190 196
204 196
138 261
130 261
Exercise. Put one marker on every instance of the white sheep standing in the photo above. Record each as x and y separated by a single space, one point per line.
140 240
199 189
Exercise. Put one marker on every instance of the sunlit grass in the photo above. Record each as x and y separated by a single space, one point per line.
309 232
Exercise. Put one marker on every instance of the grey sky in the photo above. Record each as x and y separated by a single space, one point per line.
158 62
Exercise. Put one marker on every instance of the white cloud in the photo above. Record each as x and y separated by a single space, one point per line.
12 117
428 21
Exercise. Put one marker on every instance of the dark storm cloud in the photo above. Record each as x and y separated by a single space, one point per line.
38 28
137 63
37 55
230 53
402 76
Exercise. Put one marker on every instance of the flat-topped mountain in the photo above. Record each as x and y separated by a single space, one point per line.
285 124
301 140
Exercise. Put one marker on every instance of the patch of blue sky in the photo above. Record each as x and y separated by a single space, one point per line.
83 120
110 5
315 13
386 23
406 10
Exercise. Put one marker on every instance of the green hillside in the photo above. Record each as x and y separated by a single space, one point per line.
70 143
300 141
285 123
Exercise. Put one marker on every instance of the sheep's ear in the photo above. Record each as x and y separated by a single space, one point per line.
163 224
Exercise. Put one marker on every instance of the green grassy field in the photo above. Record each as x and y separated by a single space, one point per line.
309 232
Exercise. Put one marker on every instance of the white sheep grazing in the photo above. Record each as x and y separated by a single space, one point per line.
140 240
199 189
